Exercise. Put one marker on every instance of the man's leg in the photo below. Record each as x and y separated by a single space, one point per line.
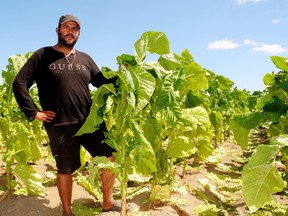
108 181
64 184
92 142
65 149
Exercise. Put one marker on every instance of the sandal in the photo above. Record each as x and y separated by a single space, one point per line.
116 207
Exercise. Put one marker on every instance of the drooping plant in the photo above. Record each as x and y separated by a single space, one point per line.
21 141
146 115
260 177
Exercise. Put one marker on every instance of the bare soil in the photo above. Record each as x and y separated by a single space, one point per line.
192 188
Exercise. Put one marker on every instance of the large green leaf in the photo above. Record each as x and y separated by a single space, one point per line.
216 119
276 101
242 124
180 147
126 80
269 78
163 93
195 117
166 95
125 101
125 104
240 134
31 178
142 157
152 131
144 87
143 160
195 79
260 177
15 64
157 68
93 120
225 84
99 163
280 62
170 61
187 57
153 42
204 146
173 114
252 120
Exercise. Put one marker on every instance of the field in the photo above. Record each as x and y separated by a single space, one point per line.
216 182
227 155
187 141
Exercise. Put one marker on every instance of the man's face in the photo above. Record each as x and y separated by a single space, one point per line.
68 33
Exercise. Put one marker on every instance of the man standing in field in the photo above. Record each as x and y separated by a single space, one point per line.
63 75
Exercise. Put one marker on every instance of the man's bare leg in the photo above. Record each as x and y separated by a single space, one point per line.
64 184
108 181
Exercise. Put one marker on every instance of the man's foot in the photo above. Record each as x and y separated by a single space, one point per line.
116 207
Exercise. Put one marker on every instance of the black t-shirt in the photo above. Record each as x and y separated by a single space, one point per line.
63 85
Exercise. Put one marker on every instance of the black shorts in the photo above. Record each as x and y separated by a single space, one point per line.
65 147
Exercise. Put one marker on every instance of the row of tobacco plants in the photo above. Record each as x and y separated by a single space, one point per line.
158 112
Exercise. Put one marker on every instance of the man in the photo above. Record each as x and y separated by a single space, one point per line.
63 75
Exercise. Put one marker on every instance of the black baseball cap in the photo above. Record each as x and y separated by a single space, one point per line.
67 18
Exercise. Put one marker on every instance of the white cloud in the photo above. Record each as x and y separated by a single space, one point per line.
256 46
242 2
276 20
250 42
223 44
270 49
265 48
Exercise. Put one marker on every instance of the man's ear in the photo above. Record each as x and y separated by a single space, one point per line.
57 31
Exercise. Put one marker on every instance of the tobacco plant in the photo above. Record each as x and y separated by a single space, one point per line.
146 115
261 179
21 141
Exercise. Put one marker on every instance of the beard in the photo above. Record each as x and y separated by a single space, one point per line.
67 40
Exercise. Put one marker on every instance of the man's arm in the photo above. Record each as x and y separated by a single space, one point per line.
21 85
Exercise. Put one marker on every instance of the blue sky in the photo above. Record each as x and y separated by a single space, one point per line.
233 38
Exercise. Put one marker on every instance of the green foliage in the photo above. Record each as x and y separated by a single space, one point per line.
207 210
156 113
21 141
260 177
271 106
153 42
160 193
147 119
224 102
